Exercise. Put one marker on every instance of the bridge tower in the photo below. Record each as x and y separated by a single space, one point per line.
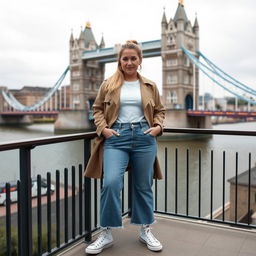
85 76
85 80
179 77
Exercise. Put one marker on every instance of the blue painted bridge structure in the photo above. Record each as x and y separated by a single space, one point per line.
107 55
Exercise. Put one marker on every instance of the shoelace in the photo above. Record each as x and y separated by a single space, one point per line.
100 239
150 236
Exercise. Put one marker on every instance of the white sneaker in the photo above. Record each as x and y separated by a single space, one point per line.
104 240
148 238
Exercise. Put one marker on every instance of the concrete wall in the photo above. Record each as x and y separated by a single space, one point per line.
242 201
178 118
15 120
73 120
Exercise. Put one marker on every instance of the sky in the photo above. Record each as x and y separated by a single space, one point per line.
34 42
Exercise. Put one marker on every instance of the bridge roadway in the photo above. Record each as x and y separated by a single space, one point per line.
237 114
23 113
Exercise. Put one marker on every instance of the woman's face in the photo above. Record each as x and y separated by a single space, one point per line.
130 62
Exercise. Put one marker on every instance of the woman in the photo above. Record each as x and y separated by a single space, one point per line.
128 116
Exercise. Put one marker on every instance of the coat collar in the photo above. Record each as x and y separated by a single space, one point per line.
144 80
146 90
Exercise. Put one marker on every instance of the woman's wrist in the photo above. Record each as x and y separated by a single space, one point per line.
159 128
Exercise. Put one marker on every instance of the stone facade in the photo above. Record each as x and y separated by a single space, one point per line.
242 201
179 75
242 194
29 95
85 76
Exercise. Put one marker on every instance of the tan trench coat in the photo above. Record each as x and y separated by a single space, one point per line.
105 112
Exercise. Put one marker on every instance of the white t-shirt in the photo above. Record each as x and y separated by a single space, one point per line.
130 103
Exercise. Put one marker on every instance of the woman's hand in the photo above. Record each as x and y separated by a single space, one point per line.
107 133
154 130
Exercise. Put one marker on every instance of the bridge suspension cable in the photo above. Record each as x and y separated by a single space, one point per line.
233 81
11 100
202 67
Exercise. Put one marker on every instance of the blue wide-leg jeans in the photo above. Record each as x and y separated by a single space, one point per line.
140 149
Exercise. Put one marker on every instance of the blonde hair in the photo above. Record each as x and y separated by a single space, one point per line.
117 79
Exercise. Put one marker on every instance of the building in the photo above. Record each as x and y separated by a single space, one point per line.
179 75
206 102
221 104
85 77
30 95
235 104
242 195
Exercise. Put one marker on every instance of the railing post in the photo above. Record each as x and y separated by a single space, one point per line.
87 194
88 217
25 202
129 194
8 220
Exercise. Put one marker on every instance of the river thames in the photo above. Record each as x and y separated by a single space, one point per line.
58 156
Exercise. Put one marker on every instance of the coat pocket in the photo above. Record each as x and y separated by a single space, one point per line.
107 103
108 108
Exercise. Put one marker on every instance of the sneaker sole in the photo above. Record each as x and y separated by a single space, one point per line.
151 248
90 251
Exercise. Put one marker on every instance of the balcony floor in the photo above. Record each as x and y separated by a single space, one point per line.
179 238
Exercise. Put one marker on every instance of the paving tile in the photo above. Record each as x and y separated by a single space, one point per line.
249 245
179 238
189 235
229 241
213 251
246 254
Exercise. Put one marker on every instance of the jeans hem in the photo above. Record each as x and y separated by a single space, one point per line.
139 224
112 227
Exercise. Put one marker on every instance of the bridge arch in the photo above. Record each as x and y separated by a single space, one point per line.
189 101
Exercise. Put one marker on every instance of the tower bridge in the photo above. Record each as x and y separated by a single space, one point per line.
179 50
180 84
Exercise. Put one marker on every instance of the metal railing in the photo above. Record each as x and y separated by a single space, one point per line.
222 218
76 213
24 218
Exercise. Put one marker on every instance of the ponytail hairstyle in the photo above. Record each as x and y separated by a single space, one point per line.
117 79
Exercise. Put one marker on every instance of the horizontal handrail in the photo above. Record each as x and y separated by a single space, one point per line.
91 135
209 131
46 140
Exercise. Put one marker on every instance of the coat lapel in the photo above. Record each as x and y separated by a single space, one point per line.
115 96
146 93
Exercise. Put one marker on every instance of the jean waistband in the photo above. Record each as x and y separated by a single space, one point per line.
130 125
